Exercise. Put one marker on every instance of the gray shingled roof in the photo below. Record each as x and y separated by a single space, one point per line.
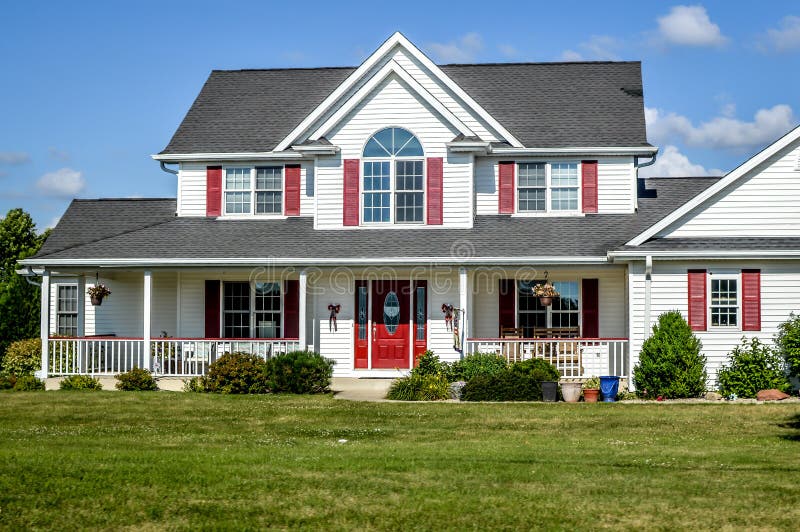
544 105
722 244
106 229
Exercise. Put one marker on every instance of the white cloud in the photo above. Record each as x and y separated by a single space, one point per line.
689 26
721 131
462 50
14 157
63 183
597 48
672 163
786 37
508 50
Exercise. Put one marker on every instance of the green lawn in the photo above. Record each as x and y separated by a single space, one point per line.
176 460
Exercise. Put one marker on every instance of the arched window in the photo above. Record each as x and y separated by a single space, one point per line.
393 179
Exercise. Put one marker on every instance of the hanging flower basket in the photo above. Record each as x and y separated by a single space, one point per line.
545 292
97 293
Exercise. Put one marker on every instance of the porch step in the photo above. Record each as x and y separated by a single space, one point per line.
361 389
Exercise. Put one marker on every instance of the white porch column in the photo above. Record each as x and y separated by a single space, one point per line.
81 302
45 324
463 303
301 310
148 289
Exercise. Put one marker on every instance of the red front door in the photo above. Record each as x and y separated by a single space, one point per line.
391 335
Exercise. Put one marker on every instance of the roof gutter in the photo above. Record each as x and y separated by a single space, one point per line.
597 150
623 256
242 156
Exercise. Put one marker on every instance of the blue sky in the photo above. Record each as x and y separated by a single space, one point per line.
90 90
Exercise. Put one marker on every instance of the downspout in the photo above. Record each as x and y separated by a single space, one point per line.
27 273
170 170
637 165
648 279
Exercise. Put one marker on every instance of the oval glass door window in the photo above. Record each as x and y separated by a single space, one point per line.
391 312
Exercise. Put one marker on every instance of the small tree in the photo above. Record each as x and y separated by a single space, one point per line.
754 366
670 363
788 343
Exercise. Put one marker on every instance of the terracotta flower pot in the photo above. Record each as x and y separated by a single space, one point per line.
546 301
590 395
571 391
97 300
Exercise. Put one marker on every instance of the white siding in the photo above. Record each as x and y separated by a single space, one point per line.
764 204
394 104
780 295
615 177
192 185
611 284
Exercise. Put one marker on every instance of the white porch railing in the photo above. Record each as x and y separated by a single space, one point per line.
169 357
573 357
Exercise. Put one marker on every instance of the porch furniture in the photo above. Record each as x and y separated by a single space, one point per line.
565 355
512 350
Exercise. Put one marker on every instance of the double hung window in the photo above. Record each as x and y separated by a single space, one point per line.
547 187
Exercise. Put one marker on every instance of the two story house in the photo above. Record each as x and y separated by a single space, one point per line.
373 213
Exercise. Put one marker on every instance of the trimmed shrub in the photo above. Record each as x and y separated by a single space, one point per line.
670 363
237 373
136 380
7 382
506 386
429 364
416 387
195 385
28 383
476 364
299 372
536 369
80 382
788 344
754 366
23 357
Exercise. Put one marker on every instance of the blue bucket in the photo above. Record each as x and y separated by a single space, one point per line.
609 386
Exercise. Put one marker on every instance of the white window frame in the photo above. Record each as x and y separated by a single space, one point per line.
722 277
252 305
548 310
548 203
60 312
393 190
252 190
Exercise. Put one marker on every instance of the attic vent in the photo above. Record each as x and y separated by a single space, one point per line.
633 92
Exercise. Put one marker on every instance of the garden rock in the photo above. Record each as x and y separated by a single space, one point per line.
771 395
713 396
455 389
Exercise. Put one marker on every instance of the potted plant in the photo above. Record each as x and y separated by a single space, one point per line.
545 292
571 391
97 293
591 390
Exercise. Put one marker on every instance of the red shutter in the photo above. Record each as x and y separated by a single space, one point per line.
213 190
508 302
291 309
505 187
435 174
697 300
589 183
351 202
751 300
212 309
291 189
590 308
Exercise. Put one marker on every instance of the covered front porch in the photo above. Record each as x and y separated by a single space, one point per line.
372 321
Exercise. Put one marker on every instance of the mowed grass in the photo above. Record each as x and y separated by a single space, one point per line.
169 460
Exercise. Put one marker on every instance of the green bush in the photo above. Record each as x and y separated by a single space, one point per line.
536 369
195 385
80 382
28 383
429 364
670 363
136 380
237 373
788 343
506 386
299 372
7 382
416 387
754 366
23 357
476 364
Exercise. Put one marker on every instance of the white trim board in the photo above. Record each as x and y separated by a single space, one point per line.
730 179
397 39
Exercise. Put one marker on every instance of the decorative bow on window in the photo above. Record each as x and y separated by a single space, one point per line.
334 310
